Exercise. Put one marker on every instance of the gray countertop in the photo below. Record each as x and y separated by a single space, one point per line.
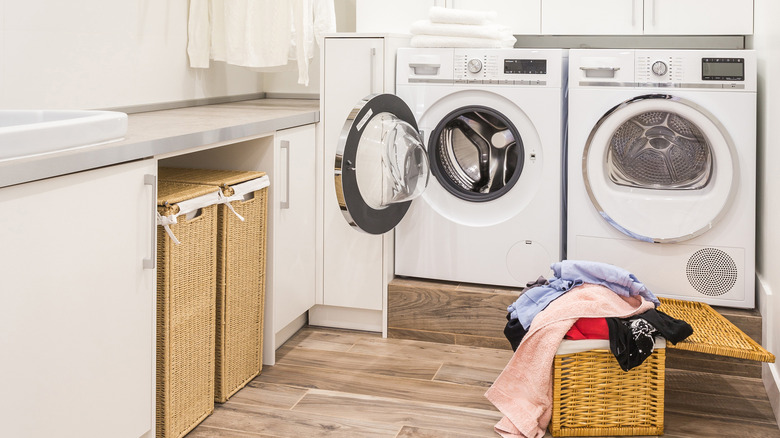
157 133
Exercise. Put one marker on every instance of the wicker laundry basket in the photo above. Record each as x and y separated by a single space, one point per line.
241 250
592 396
186 300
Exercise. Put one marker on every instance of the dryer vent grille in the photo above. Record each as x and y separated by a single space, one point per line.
711 271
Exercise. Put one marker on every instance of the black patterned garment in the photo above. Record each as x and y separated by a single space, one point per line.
631 340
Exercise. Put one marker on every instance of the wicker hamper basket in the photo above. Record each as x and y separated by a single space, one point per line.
186 285
241 249
592 396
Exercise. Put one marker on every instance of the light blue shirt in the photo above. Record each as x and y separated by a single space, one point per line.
572 273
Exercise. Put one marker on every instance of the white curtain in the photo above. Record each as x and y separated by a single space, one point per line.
267 35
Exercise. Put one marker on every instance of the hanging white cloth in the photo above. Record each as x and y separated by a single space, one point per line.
265 35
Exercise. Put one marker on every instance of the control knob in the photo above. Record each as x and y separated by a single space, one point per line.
475 65
659 68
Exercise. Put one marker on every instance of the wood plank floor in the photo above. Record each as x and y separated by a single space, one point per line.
340 383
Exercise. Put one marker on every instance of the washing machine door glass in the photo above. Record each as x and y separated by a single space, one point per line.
380 164
660 168
476 153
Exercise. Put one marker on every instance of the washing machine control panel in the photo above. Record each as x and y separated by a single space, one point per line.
499 68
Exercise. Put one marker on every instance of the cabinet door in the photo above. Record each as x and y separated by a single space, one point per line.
522 16
77 331
591 17
382 16
352 261
698 17
293 207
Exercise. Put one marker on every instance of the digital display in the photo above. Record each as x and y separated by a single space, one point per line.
525 66
723 69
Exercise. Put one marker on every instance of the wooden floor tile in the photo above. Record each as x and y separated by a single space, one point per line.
421 432
467 375
382 386
286 423
269 395
472 422
411 350
349 361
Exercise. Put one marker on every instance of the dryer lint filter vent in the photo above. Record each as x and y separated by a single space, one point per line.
711 272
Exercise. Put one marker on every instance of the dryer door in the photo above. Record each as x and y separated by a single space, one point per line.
380 164
660 168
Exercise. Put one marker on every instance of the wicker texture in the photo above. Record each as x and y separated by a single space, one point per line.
186 299
592 396
240 305
713 333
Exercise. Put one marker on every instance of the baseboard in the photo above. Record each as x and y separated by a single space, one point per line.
770 372
346 318
771 378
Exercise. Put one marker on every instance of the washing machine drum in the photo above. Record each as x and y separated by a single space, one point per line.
476 153
660 168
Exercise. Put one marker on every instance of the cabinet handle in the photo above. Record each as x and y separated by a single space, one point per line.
151 262
633 13
285 146
373 68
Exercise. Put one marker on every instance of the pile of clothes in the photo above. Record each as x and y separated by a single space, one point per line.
460 28
584 300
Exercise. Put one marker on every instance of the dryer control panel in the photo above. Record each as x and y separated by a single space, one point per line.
694 69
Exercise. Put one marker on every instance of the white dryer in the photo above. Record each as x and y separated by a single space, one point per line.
661 168
488 125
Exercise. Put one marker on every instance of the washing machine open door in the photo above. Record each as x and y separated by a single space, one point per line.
660 168
380 164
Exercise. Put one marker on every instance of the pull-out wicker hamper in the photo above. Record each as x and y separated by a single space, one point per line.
592 396
186 298
241 249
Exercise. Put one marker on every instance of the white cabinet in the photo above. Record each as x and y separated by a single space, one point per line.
372 16
356 266
522 16
648 17
382 16
591 17
290 286
77 332
698 17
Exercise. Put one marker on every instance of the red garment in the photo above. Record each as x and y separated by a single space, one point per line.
588 328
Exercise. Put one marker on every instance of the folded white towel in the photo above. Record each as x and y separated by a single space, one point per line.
453 41
439 14
491 31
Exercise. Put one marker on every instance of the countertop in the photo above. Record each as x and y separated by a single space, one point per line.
164 132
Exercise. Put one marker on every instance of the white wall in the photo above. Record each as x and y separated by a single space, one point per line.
766 41
286 83
104 53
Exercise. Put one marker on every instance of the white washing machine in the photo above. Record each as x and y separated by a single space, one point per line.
488 125
661 168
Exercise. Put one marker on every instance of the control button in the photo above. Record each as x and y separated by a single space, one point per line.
659 68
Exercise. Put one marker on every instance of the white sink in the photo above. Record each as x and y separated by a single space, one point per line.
32 132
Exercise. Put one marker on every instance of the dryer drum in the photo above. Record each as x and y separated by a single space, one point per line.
659 150
476 153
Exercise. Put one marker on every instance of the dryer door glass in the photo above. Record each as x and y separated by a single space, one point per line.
476 153
660 168
380 164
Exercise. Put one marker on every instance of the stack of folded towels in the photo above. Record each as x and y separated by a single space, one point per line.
460 28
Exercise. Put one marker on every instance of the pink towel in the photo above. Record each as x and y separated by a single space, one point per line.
523 391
